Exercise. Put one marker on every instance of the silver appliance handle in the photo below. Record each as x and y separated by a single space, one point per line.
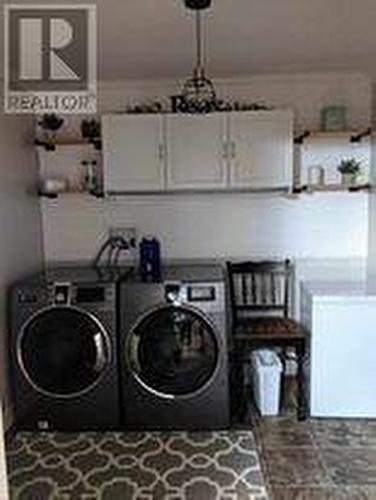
100 361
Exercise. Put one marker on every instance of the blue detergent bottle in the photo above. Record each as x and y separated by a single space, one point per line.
150 259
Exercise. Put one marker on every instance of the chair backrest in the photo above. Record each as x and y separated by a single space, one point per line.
259 288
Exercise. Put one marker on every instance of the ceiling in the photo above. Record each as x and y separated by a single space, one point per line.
154 38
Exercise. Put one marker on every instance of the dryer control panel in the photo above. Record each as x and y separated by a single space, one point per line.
206 296
200 293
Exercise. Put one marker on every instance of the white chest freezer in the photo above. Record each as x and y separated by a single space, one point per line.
341 367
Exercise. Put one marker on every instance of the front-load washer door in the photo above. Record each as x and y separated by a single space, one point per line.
63 351
173 351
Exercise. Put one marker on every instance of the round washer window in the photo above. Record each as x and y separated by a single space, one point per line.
173 351
63 351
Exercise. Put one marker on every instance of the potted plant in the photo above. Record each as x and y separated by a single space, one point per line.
50 123
349 170
91 130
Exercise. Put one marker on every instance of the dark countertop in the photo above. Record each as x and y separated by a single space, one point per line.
189 271
174 270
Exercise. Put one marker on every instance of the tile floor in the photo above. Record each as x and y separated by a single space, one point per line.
318 459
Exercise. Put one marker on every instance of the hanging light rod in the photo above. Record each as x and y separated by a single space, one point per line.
198 93
197 4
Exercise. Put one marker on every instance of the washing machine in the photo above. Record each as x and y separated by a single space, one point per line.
63 348
173 350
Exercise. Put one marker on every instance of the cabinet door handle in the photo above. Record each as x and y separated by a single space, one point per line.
161 152
233 150
225 150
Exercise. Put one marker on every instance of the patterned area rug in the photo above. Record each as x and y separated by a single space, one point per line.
135 466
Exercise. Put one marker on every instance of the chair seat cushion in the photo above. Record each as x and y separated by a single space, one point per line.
269 328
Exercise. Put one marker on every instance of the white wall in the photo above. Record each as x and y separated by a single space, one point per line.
20 219
320 226
305 93
201 226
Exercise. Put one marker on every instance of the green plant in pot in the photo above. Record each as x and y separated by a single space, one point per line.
349 170
91 130
50 123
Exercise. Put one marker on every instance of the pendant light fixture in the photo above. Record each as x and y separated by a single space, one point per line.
198 93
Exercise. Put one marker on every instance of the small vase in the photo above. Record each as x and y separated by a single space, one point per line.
316 176
348 179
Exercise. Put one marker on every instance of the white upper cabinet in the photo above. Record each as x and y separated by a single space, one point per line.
196 151
238 150
261 149
134 153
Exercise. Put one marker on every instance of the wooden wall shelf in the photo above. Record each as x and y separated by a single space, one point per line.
331 188
53 196
95 143
352 135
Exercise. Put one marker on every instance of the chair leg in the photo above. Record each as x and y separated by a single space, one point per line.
302 407
242 395
283 381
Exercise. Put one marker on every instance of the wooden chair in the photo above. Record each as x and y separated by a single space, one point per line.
260 300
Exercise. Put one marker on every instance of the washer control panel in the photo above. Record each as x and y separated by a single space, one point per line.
62 293
97 295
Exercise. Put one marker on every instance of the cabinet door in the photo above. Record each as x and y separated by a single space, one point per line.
261 149
196 151
134 157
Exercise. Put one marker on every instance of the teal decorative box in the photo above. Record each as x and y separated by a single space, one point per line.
333 118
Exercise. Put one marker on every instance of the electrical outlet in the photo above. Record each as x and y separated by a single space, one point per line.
127 233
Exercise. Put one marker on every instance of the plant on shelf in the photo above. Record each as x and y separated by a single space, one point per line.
349 170
91 131
90 182
50 123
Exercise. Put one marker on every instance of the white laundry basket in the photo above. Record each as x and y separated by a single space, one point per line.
266 377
